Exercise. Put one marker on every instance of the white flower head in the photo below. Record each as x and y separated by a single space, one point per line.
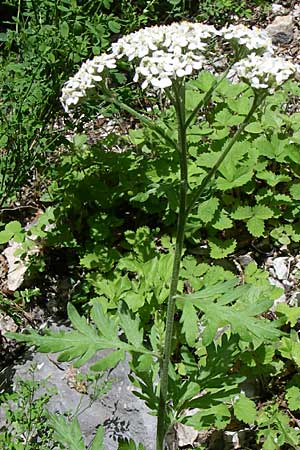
86 78
252 39
263 72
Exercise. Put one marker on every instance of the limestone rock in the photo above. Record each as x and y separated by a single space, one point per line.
281 30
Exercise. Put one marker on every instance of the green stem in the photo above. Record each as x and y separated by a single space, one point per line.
199 191
182 146
109 97
204 101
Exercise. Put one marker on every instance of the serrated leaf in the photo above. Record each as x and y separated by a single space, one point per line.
245 410
80 344
205 80
272 178
98 441
134 300
105 324
67 432
222 221
189 320
262 212
109 362
256 226
293 398
207 209
132 329
295 191
220 249
254 127
292 313
242 213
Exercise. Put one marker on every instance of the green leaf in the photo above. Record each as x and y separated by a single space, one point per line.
64 29
114 26
98 441
271 178
134 300
205 80
245 410
125 444
293 398
256 226
5 236
222 221
105 324
67 432
220 249
189 320
132 329
295 191
254 127
81 344
242 213
109 362
207 209
13 227
262 212
292 314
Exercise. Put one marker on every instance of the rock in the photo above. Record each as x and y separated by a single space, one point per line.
120 412
278 10
17 266
186 435
281 30
281 267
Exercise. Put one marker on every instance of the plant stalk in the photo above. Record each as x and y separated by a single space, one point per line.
179 89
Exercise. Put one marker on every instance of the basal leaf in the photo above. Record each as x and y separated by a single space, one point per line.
262 212
105 324
222 221
109 362
220 249
293 398
67 432
295 191
98 441
244 409
134 300
132 329
254 127
256 226
207 209
242 213
189 320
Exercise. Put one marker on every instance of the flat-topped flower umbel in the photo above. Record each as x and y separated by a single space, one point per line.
166 53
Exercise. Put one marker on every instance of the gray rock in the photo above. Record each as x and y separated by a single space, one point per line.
281 30
120 412
281 267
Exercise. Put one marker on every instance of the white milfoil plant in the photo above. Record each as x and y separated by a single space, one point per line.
163 56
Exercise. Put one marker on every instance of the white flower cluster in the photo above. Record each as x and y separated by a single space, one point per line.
263 72
162 54
253 39
165 52
86 78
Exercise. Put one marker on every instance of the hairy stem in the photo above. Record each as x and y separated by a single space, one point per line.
179 90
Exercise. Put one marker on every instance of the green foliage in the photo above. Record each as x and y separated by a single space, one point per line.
274 428
26 419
